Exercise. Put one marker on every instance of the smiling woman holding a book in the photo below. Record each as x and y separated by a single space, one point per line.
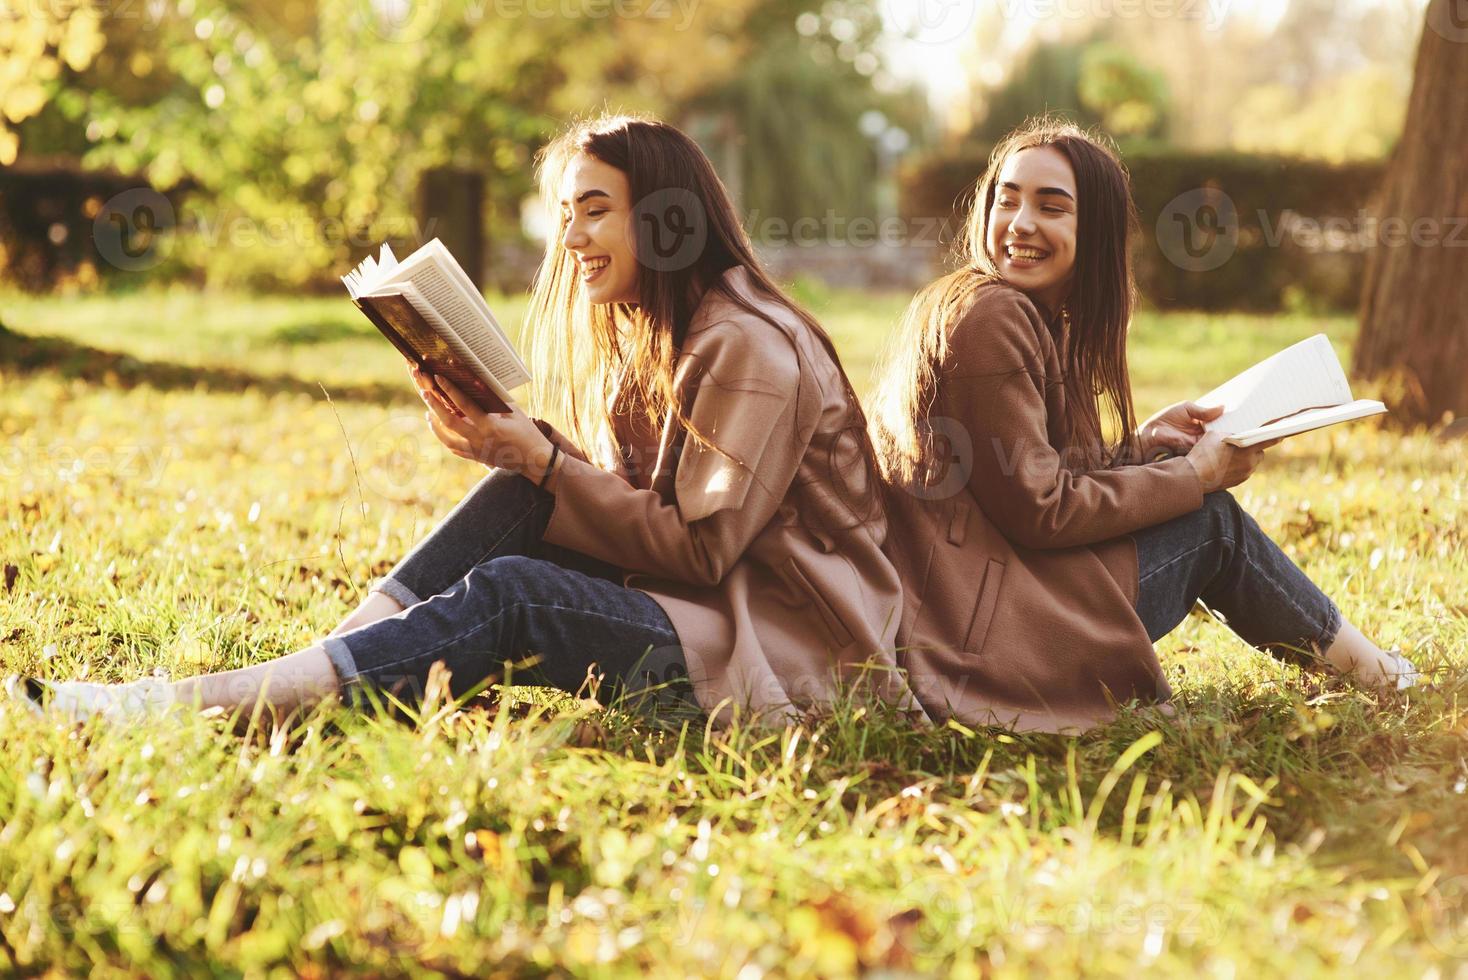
710 521
1040 563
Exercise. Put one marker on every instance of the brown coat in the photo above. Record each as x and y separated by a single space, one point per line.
1018 574
774 588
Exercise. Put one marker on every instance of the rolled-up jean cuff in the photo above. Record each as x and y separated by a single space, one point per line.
1333 622
349 678
396 591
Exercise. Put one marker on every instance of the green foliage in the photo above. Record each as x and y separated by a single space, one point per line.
1095 82
794 111
304 150
301 132
179 495
39 44
1130 98
1047 81
790 109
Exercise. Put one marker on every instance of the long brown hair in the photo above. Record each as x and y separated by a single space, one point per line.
1099 307
578 354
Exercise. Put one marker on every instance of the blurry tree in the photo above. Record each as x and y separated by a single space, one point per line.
1293 62
305 128
1048 80
38 43
305 146
1130 98
1413 330
1095 82
795 106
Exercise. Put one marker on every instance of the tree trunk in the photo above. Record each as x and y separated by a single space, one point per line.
451 209
1414 300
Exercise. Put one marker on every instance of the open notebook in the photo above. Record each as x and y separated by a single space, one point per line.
1301 388
428 307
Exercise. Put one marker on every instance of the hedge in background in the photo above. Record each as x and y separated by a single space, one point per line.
1219 230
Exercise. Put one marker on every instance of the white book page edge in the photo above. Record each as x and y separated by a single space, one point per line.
1320 371
1308 421
440 326
437 253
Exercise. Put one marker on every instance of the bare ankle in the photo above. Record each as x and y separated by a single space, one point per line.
377 606
1353 654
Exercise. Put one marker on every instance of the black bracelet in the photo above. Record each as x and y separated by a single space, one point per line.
550 466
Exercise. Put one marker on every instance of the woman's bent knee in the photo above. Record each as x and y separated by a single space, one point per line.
1224 513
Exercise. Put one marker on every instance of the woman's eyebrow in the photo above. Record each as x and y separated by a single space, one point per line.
587 195
1011 186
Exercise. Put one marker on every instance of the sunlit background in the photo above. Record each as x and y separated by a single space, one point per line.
290 137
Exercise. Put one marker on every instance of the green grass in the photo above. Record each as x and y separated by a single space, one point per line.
178 493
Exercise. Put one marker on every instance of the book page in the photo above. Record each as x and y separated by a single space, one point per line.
445 298
370 272
439 279
411 318
1306 375
1307 421
433 315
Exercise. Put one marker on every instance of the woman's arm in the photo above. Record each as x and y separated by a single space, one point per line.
744 402
557 438
993 385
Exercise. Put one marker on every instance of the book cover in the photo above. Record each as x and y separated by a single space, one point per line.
411 334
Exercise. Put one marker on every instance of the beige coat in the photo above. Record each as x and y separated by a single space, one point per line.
1018 574
773 586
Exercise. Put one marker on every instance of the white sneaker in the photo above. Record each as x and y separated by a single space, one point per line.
149 697
1406 675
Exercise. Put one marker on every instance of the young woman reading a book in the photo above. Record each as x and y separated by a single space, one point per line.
712 518
1039 562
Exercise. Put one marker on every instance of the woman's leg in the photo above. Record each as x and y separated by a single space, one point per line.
508 610
286 683
1219 554
504 514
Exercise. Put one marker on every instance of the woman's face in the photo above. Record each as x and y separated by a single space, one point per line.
1032 224
596 207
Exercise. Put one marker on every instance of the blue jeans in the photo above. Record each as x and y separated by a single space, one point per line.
1220 555
483 591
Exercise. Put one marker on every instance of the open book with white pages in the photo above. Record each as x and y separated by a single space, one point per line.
1300 389
429 309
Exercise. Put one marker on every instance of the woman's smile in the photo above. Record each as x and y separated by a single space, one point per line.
1024 256
592 268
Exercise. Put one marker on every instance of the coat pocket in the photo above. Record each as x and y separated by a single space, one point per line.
796 578
978 627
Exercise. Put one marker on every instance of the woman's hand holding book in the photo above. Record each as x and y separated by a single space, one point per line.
1220 465
508 440
1175 429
